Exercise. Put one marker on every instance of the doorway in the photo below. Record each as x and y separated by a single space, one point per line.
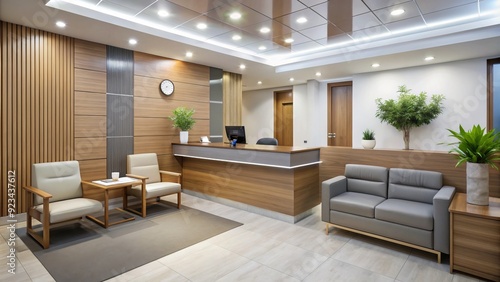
283 117
340 114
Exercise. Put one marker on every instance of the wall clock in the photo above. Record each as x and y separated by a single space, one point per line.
167 87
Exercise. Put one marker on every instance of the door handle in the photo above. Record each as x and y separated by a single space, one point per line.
331 135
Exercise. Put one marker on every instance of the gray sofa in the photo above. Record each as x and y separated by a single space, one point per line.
404 206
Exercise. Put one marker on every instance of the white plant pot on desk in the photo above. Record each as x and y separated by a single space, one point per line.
184 135
368 144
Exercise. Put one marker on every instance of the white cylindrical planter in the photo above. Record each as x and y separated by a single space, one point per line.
368 144
477 184
184 136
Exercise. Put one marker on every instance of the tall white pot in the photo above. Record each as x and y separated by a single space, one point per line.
477 184
184 135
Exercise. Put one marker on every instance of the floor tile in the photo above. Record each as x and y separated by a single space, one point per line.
253 271
338 271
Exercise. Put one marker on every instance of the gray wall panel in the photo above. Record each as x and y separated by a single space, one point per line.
120 108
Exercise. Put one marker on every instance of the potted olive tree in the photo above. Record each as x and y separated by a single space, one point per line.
409 111
479 150
182 118
368 140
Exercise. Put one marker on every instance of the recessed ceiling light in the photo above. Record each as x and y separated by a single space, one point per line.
235 16
430 58
301 20
397 12
132 41
262 48
318 73
289 40
242 66
60 24
189 54
375 65
236 37
291 79
201 26
163 13
265 30
259 82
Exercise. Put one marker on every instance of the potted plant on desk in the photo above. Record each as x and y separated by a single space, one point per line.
479 150
182 118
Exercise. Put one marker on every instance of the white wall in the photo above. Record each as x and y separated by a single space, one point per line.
463 83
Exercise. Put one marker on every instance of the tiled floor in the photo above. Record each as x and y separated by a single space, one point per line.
264 249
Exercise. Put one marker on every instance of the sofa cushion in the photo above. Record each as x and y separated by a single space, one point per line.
367 179
409 213
356 203
155 189
414 185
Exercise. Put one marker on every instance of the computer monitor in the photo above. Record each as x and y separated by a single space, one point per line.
236 132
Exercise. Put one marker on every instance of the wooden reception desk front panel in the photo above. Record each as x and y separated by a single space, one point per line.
277 178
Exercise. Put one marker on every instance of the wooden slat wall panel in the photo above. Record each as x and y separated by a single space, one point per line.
90 113
334 160
232 90
153 132
36 73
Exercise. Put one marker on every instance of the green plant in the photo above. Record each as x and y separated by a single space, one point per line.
368 135
182 118
408 111
476 146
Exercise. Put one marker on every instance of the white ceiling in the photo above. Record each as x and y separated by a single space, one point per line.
339 39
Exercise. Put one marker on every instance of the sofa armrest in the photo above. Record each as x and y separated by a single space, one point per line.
329 189
441 202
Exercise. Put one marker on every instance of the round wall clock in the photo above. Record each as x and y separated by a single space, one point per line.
167 87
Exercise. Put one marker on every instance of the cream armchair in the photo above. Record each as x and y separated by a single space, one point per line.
145 167
56 196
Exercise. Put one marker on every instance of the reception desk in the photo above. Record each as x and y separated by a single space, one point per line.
277 181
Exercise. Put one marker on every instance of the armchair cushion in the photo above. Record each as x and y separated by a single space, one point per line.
154 190
409 213
71 209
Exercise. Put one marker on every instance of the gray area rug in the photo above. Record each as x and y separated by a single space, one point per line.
84 251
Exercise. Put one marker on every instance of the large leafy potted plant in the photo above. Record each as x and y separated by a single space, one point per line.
368 139
479 150
409 111
182 118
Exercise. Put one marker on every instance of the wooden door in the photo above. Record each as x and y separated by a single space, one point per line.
340 114
283 117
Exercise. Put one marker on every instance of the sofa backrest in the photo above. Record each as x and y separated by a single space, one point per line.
414 185
367 179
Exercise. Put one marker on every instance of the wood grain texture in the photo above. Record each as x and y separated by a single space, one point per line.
90 148
90 104
163 126
149 87
36 104
90 81
232 92
287 191
90 55
335 158
162 68
475 237
90 126
147 107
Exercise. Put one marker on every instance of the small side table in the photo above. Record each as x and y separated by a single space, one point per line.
475 237
107 185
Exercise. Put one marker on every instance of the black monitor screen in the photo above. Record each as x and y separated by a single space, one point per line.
236 132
